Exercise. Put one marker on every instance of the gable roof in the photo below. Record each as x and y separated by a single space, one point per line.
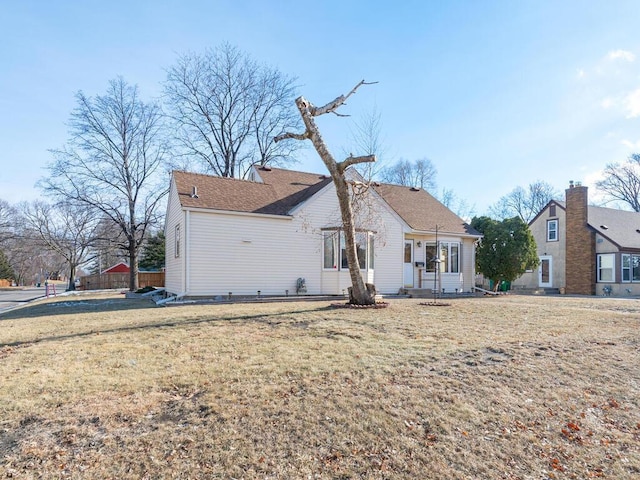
120 267
280 191
621 227
421 211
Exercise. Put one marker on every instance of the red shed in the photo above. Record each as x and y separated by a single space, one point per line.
120 267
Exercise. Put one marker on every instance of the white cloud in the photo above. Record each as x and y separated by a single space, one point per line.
632 104
607 103
580 73
622 55
635 146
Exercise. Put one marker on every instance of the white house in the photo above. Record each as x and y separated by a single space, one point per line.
264 234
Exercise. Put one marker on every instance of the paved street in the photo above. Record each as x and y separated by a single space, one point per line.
10 298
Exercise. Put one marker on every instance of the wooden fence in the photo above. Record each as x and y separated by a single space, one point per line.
120 280
4 283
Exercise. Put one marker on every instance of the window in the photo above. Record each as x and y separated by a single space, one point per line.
449 257
626 268
371 254
430 257
606 272
630 268
177 241
332 243
552 230
330 249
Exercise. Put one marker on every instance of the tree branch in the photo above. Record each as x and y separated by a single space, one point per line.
335 104
296 136
351 160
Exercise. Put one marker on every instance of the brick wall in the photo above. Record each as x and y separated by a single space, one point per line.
580 269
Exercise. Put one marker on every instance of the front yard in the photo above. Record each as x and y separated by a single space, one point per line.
512 387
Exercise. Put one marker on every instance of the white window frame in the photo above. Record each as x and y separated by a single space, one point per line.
611 259
448 262
366 256
178 241
626 269
552 233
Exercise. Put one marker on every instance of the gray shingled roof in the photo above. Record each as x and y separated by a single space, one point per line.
622 227
282 190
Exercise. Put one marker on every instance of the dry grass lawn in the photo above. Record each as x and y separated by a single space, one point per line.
488 388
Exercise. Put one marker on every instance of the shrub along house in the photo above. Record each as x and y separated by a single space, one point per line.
585 249
280 231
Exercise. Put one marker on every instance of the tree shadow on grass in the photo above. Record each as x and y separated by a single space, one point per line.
271 319
71 306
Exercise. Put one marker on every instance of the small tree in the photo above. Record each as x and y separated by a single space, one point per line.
6 272
359 293
152 257
506 250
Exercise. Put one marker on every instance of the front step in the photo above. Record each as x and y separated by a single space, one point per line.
536 291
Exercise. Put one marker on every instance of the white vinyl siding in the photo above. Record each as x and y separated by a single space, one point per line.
174 271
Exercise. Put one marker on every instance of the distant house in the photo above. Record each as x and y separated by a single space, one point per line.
281 229
120 267
585 249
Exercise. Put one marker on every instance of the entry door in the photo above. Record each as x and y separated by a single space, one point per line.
408 263
545 272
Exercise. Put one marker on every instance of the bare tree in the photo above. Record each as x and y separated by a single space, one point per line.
420 173
228 109
359 293
7 212
622 181
456 204
365 135
524 203
30 260
111 163
67 229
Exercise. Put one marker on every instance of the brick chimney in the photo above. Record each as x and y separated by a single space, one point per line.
580 244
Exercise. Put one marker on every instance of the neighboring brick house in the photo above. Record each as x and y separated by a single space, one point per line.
584 249
263 234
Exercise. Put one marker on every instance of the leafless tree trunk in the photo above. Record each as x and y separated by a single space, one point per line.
112 163
228 108
360 294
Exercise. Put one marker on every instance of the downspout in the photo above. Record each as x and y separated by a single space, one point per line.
187 254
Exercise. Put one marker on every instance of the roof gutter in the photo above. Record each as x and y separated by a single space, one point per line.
238 214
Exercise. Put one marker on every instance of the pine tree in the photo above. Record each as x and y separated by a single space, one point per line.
152 257
6 272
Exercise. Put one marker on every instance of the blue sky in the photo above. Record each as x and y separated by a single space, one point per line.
495 93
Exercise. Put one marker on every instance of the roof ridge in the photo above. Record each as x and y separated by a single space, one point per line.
208 175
